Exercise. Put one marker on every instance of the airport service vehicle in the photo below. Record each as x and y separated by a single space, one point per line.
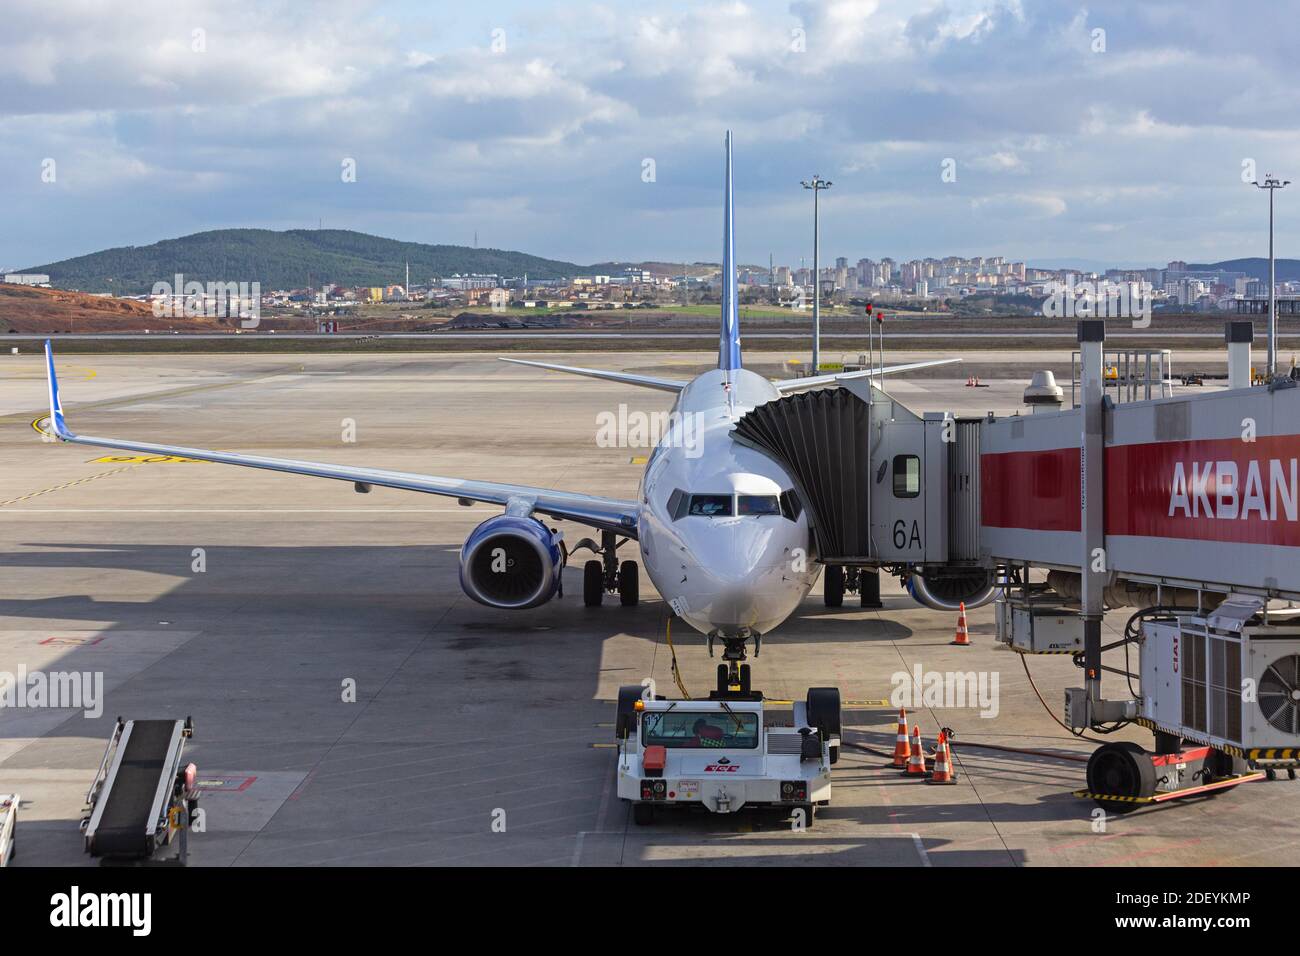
8 823
722 528
727 753
143 795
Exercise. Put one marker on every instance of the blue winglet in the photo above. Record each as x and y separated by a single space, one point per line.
57 424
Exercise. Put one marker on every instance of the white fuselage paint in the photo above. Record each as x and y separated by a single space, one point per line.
731 575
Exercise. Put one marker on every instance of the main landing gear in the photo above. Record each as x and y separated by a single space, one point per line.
838 579
607 573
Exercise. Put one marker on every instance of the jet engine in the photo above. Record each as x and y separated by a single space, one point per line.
511 562
946 588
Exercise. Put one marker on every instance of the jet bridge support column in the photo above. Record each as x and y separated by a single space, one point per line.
1092 340
1239 335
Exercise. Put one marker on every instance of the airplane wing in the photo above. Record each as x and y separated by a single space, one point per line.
627 378
816 381
609 514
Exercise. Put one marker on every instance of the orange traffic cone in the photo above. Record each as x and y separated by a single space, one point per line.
943 772
962 637
916 762
902 749
970 381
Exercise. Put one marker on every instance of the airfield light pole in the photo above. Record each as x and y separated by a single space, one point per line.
1272 184
816 184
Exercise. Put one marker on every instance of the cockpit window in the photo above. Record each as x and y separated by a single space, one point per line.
711 506
790 505
758 505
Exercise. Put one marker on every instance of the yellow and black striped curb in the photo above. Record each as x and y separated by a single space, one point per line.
1089 795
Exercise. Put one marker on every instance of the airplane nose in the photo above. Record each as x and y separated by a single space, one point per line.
744 549
742 560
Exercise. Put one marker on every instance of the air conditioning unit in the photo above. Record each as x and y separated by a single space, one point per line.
1222 682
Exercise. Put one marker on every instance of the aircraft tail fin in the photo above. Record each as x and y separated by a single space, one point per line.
729 337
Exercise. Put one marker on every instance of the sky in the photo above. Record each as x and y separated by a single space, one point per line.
1116 133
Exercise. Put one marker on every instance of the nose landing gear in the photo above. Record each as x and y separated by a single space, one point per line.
607 574
734 674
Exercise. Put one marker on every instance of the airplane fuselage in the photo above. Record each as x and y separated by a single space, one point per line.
719 542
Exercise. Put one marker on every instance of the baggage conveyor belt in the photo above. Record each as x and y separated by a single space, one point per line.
139 782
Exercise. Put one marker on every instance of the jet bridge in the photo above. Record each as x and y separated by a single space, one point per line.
1186 509
884 487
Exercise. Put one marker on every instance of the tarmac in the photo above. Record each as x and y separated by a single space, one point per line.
255 602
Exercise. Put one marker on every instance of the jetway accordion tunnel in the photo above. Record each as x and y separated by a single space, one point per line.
883 488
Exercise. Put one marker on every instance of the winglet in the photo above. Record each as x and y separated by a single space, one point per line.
57 425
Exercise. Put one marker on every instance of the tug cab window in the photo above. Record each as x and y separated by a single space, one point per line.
758 505
678 729
711 506
907 476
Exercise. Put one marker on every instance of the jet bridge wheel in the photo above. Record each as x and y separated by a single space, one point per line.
1121 769
629 591
833 585
593 583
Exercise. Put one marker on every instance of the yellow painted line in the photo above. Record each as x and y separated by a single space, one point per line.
638 460
70 484
144 460
843 703
605 746
86 373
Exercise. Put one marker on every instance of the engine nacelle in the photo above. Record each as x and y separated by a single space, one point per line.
511 562
947 588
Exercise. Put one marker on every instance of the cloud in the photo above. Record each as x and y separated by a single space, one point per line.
529 123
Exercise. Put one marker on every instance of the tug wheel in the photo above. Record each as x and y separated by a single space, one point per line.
643 814
1121 769
593 583
625 714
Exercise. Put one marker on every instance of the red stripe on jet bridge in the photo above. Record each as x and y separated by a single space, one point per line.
1034 490
1221 489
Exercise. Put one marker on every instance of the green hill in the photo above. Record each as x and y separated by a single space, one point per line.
286 260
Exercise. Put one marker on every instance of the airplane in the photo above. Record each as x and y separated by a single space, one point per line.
721 531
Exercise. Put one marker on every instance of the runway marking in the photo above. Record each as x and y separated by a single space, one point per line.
153 396
920 849
39 373
231 784
71 641
70 484
144 460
